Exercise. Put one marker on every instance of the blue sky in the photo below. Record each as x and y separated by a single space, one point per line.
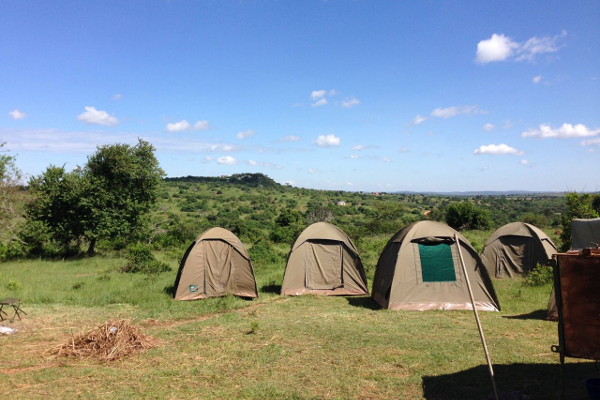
346 95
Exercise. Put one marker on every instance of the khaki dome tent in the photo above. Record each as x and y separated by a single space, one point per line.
515 249
420 269
324 261
216 264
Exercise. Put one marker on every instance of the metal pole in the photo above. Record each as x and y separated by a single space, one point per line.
485 350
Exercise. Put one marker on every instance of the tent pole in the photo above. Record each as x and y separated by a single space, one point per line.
485 350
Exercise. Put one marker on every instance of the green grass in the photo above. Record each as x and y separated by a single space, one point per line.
275 347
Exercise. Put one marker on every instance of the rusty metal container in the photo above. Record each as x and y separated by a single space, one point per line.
577 289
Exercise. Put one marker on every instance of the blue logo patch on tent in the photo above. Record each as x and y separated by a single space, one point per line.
193 288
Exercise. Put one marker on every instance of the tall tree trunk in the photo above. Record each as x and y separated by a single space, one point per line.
91 249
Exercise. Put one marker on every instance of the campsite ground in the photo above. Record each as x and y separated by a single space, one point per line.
274 347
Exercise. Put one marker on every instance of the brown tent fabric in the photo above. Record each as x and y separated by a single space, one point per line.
216 264
515 249
324 261
419 269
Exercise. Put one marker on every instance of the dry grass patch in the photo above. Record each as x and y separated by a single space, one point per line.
106 342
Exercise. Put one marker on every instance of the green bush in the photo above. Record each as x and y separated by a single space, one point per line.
13 285
263 252
142 260
539 276
282 234
12 250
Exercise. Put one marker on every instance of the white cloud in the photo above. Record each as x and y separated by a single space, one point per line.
453 111
534 46
358 147
271 165
317 94
524 162
349 103
55 141
312 170
16 114
221 147
354 156
117 96
537 79
489 127
448 112
403 149
502 48
86 142
227 160
252 162
183 125
178 126
201 125
290 138
245 134
566 131
419 119
98 117
386 160
591 142
497 149
320 102
328 141
496 48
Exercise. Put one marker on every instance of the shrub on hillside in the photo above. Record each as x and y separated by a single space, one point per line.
13 285
262 252
539 276
142 260
11 250
466 215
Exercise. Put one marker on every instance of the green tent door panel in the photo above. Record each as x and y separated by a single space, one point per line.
437 263
324 266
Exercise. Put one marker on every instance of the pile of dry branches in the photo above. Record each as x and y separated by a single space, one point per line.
107 342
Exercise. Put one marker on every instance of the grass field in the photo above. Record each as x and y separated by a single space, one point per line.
274 347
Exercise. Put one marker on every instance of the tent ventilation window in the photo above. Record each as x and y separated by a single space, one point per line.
437 264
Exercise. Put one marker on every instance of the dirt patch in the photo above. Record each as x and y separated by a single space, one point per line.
107 342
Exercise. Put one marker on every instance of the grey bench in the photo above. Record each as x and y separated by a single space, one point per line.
15 304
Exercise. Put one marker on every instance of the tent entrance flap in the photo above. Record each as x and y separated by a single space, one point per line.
218 259
437 263
323 265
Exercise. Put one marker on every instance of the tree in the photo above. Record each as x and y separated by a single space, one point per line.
10 178
110 198
123 183
465 215
583 205
56 212
288 226
387 216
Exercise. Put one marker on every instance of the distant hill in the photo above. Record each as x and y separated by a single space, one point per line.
490 193
248 179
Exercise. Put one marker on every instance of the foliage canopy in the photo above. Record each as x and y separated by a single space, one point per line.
465 215
110 198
